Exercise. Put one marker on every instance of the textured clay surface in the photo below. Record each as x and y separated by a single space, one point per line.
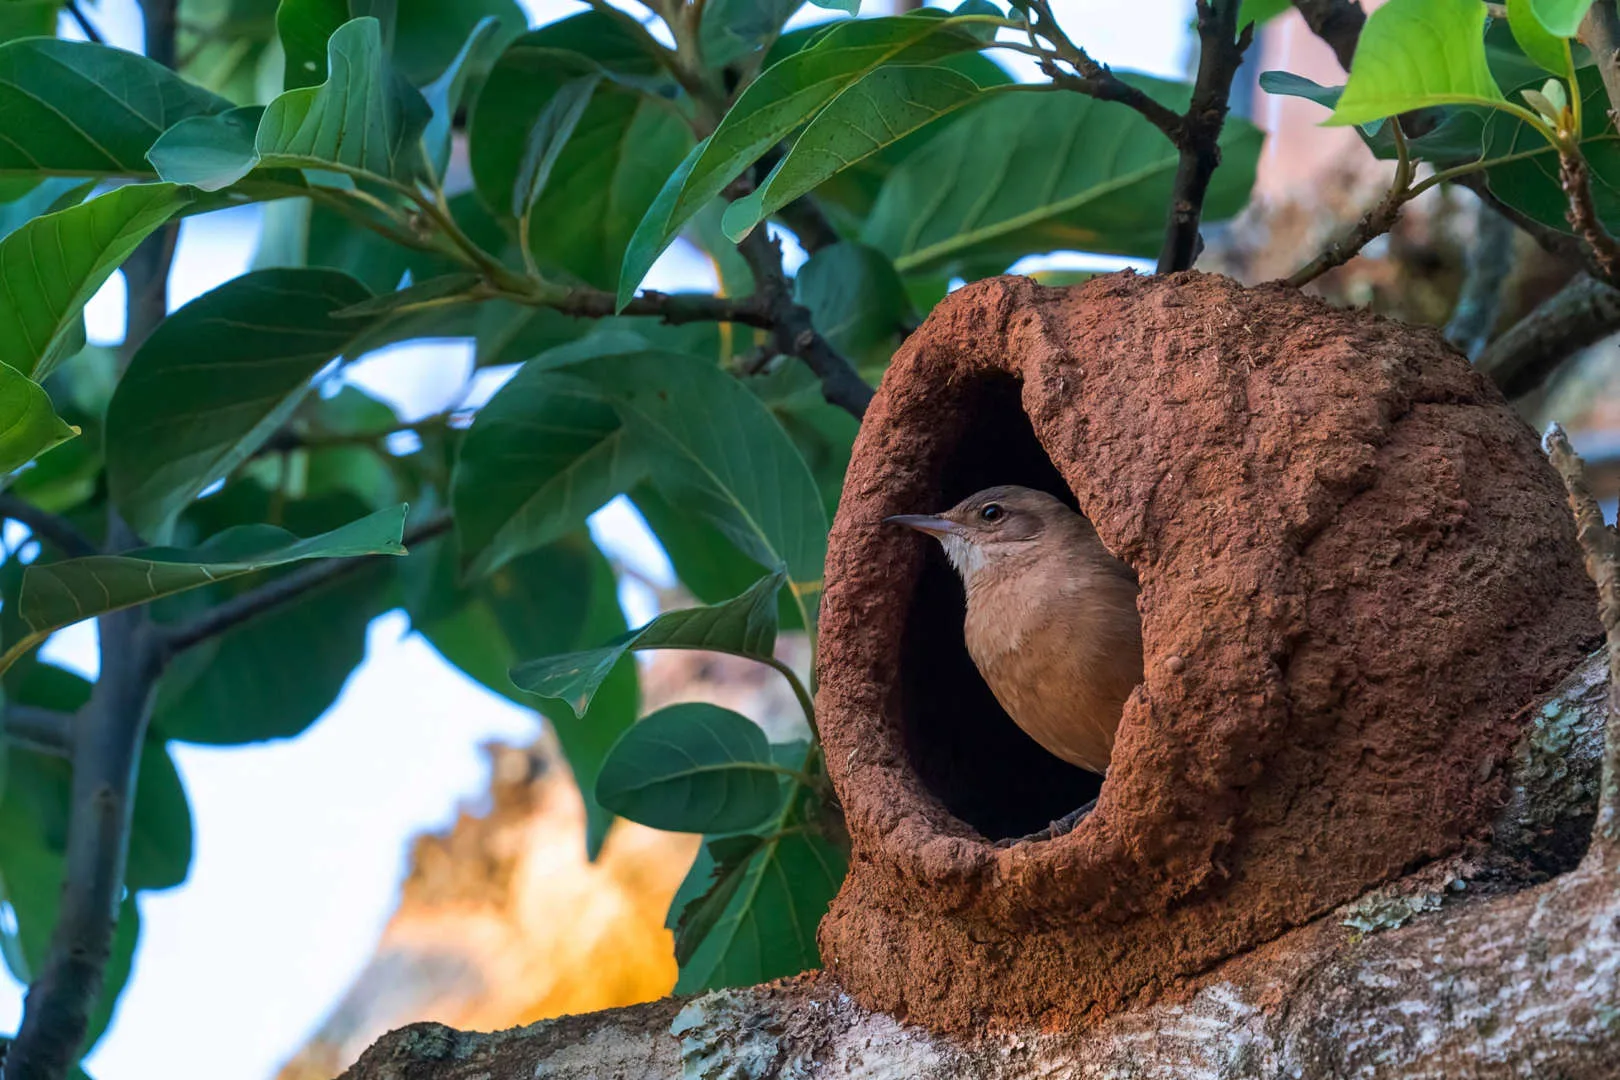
1355 567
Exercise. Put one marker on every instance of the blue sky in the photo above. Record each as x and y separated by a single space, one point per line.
300 844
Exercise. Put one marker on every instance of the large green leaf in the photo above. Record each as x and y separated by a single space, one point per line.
552 128
769 904
61 593
215 380
428 33
75 108
1532 185
693 767
363 120
51 267
857 302
23 198
607 170
876 112
1096 177
28 18
1416 53
28 424
1539 45
544 454
786 95
716 449
734 28
1561 18
744 625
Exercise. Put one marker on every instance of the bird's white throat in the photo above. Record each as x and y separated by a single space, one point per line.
965 555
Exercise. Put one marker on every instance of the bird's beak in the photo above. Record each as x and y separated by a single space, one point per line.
925 523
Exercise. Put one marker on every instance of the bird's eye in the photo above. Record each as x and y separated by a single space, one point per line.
992 512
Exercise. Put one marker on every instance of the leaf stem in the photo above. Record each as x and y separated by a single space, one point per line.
806 703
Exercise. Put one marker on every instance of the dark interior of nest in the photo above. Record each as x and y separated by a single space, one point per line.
963 746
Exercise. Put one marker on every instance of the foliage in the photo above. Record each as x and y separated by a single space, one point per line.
197 456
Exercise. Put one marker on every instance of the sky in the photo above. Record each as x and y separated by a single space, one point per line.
301 843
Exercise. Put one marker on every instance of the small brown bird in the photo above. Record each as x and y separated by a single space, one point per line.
1051 617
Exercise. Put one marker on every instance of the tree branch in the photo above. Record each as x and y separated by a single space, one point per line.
1479 302
89 28
40 730
1091 78
1374 223
1600 32
674 308
46 526
1598 545
1583 216
272 594
792 331
106 754
1337 22
1220 54
1582 313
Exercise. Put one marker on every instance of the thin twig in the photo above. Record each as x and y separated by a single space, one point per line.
1091 78
52 528
1221 50
89 28
1479 301
1583 216
792 331
1374 223
42 730
247 606
1582 313
1598 545
673 308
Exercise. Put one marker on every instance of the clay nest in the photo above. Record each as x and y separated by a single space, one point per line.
1356 567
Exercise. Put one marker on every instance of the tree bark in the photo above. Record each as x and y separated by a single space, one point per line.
1504 961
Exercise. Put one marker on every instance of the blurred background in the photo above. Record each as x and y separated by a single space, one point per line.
418 854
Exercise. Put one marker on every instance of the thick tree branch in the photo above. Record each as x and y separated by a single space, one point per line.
1337 22
282 590
51 528
1599 546
792 332
1582 313
40 730
1600 33
1479 302
106 754
1220 54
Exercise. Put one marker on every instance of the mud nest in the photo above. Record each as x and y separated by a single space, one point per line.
1356 568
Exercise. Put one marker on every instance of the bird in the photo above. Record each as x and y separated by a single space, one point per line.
1051 623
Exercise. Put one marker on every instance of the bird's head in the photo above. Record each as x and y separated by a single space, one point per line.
996 526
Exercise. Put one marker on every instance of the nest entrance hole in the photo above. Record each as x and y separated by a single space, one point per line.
962 745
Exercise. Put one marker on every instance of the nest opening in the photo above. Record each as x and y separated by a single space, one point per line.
962 745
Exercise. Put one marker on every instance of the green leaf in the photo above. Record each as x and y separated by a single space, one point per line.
215 380
1538 44
28 424
52 266
304 27
1287 84
446 93
876 112
766 928
1101 179
1260 12
80 109
553 127
606 175
707 889
1532 184
857 302
363 120
437 288
734 28
23 199
656 228
692 768
428 33
1560 18
62 593
545 453
28 18
744 626
207 152
1416 53
786 95
716 449
160 824
848 7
